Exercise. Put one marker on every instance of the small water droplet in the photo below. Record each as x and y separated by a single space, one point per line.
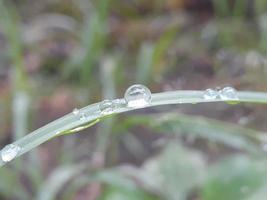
137 96
75 111
9 152
210 94
82 117
107 107
228 93
119 103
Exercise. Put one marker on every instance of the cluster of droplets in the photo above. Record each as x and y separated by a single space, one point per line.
136 96
139 96
9 152
227 93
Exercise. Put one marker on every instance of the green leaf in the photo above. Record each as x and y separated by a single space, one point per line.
117 193
213 130
144 63
235 178
172 174
58 179
116 185
10 187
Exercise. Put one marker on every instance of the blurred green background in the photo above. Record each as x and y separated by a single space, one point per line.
56 55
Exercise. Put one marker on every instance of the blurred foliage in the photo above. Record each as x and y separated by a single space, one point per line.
57 55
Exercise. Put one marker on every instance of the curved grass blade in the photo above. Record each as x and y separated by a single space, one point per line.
92 112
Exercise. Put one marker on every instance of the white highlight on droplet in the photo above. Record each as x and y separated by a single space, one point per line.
137 96
75 111
9 152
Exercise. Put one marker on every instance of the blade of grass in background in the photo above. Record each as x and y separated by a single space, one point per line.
172 174
19 79
260 7
58 178
221 8
213 130
92 38
20 86
108 92
144 63
150 60
161 48
240 8
10 184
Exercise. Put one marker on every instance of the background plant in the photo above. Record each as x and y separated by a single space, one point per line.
57 55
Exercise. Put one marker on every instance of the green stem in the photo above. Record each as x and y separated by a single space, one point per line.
92 113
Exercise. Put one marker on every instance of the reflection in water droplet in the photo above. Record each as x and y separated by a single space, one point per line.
137 96
210 94
228 93
107 107
9 152
75 111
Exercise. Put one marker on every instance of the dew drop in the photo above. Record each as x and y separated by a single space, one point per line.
137 96
228 93
107 107
210 94
82 117
75 111
9 152
119 103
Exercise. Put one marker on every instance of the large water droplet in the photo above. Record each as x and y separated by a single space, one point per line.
137 96
210 94
75 111
9 152
228 93
107 107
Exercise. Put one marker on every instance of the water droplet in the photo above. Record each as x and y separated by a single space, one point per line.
119 103
228 93
210 94
75 111
107 107
137 96
82 117
9 152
